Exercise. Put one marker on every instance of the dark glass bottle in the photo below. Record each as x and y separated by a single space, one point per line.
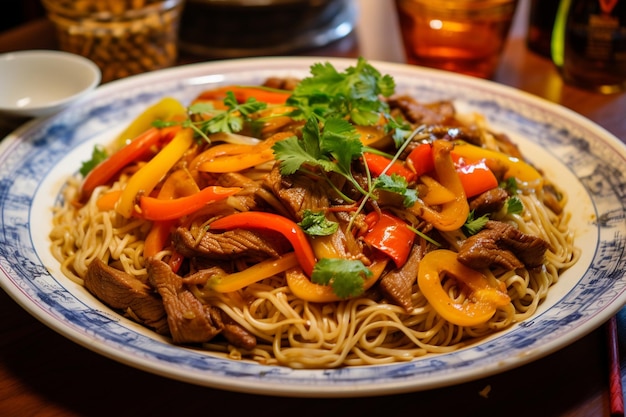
589 44
541 18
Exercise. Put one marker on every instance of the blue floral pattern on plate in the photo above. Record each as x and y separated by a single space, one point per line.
585 159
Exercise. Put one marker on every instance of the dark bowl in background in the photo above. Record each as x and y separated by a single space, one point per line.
238 28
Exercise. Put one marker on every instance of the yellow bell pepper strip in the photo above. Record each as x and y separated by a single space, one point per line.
148 176
475 176
233 158
277 223
255 273
482 300
162 209
374 135
377 164
436 193
165 109
420 159
243 93
302 287
107 169
497 161
454 213
390 235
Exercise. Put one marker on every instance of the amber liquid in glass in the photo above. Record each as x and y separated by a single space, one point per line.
469 41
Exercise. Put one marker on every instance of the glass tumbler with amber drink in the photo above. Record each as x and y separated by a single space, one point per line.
465 36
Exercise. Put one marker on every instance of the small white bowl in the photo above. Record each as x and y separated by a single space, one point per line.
40 83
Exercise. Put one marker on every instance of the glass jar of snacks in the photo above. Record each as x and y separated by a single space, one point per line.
123 37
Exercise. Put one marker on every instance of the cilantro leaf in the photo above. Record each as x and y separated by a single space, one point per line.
316 224
293 153
397 184
232 119
332 150
341 140
355 93
514 205
98 154
474 225
510 185
345 276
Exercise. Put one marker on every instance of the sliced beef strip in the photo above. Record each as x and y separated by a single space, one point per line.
237 334
122 291
397 284
282 83
232 331
187 318
436 113
490 201
298 192
231 244
503 245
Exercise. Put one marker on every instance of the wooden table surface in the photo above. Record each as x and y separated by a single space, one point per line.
44 374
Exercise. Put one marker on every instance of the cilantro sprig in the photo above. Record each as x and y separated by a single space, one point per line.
315 223
354 93
332 149
230 120
98 154
345 276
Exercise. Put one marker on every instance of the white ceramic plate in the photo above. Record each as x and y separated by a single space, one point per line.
587 161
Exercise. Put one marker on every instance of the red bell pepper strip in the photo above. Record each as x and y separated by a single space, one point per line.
159 209
242 93
421 159
377 164
108 168
390 235
475 176
275 222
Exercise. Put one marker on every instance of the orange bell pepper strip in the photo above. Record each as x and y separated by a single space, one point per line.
162 209
233 158
475 176
243 92
106 201
270 221
482 301
302 287
378 164
179 183
111 166
148 176
497 161
157 238
390 235
453 214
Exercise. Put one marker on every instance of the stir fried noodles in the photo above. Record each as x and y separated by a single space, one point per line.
314 223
